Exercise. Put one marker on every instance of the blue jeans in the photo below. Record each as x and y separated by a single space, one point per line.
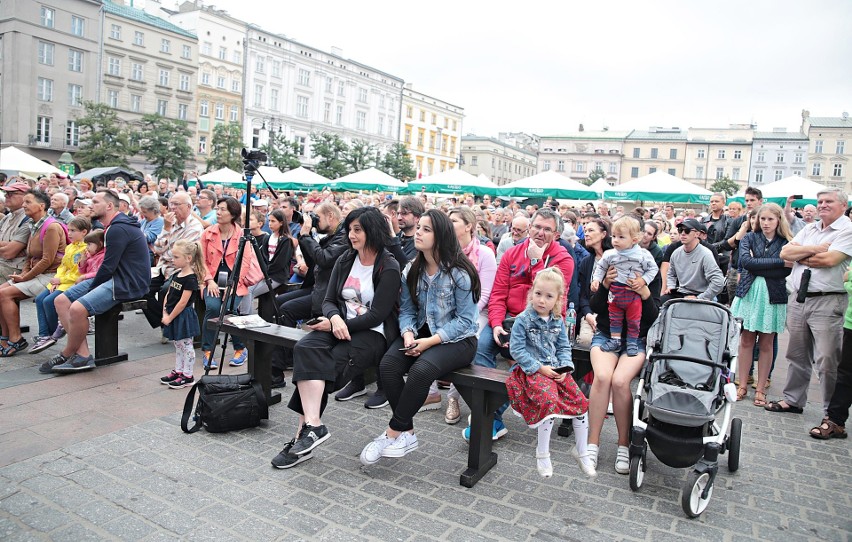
46 311
486 356
96 301
208 336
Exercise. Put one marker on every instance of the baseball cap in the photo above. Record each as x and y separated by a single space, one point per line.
16 187
62 175
124 197
260 203
691 224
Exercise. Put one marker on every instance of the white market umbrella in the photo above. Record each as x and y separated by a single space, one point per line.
659 186
453 181
299 179
599 187
780 190
548 183
367 179
14 161
224 176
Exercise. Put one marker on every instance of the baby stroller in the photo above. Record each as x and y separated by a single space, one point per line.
685 385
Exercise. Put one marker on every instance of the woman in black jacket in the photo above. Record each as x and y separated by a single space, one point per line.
278 249
359 320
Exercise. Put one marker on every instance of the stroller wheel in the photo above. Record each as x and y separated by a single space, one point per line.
691 502
734 441
637 472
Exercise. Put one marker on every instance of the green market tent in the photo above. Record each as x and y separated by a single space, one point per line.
299 179
780 190
367 179
224 176
659 187
453 181
548 183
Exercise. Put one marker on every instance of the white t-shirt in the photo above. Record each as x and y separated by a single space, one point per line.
358 292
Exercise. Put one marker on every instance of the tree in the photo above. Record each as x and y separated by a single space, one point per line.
361 155
331 151
165 144
225 147
594 176
281 153
726 186
103 141
398 163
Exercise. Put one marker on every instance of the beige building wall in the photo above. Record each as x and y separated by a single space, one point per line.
501 162
714 153
431 130
576 155
654 150
830 150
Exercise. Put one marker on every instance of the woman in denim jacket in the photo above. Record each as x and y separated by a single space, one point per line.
438 322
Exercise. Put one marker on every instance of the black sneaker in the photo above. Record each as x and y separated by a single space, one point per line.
75 363
278 382
309 438
181 382
171 377
47 367
377 400
350 391
286 460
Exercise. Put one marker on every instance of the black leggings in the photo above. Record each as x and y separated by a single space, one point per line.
407 396
841 399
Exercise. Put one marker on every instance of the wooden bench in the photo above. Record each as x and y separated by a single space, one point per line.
482 388
106 332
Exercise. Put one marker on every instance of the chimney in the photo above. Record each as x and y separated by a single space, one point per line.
845 115
581 126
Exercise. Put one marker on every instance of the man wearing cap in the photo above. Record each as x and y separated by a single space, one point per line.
124 204
14 231
63 179
693 271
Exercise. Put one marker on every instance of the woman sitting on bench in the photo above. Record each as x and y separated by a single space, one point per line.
438 321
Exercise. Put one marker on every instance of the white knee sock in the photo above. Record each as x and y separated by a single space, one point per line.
581 433
433 388
544 431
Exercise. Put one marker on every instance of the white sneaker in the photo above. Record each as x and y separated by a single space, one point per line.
592 454
406 442
585 462
622 460
372 452
543 464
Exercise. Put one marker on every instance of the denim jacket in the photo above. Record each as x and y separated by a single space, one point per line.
535 342
446 304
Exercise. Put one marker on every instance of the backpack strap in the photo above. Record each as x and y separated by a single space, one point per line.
187 411
51 220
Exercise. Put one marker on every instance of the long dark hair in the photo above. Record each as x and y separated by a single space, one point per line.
447 252
374 225
284 228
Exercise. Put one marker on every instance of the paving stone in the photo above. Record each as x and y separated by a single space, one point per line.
430 526
128 527
459 516
75 533
44 483
386 531
416 502
45 519
334 534
20 504
506 530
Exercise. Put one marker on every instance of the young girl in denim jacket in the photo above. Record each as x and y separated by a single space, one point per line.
540 387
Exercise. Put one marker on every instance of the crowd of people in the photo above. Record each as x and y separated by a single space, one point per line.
415 287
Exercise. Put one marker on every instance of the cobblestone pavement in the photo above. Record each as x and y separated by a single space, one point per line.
149 481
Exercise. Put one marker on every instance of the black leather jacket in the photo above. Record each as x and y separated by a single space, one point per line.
323 255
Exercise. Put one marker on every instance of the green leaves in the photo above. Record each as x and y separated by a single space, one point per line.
725 185
331 151
165 144
103 140
398 163
282 153
225 146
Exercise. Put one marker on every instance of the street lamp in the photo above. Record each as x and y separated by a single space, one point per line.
66 164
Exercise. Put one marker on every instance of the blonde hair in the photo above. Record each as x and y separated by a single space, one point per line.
783 228
628 225
192 250
554 276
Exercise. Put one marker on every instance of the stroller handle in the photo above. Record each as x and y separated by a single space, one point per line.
656 357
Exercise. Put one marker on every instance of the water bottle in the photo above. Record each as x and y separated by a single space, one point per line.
571 322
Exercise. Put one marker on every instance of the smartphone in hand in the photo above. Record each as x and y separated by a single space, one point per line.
407 348
313 321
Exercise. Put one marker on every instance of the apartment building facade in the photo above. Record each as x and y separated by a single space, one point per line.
577 155
829 152
431 129
715 153
498 160
776 155
654 149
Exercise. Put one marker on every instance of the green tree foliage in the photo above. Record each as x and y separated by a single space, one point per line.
725 185
103 141
331 151
398 163
281 153
225 146
361 155
165 144
594 176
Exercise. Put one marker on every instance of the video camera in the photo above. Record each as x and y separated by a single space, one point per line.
298 219
252 159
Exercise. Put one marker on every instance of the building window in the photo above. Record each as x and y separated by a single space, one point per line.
613 168
545 167
381 125
43 125
135 103
341 90
220 111
720 154
202 145
304 77
652 169
474 160
338 120
72 134
45 53
258 95
455 123
78 25
276 68
779 157
672 171
818 146
761 156
817 169
560 165
700 153
136 71
838 170
45 89
778 174
302 106
114 66
223 53
839 148
206 47
203 108
699 172
409 111
720 172
326 112
434 119
165 75
186 52
579 167
758 176
234 113
75 95
672 154
300 144
138 38
361 120
115 32
735 174
654 153
362 95
162 107
75 60
799 158
329 82
273 99
382 104
48 16
738 155
165 46
235 85
634 172
182 111
422 116
255 137
184 82
220 81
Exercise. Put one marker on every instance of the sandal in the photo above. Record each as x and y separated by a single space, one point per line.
741 393
828 429
775 406
14 347
759 399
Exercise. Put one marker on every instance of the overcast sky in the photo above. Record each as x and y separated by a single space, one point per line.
544 67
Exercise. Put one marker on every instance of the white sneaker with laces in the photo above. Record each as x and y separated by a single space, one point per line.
405 443
372 452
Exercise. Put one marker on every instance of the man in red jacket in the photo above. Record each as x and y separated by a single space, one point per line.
513 281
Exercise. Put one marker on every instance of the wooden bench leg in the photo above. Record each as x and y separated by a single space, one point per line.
480 457
106 337
260 368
